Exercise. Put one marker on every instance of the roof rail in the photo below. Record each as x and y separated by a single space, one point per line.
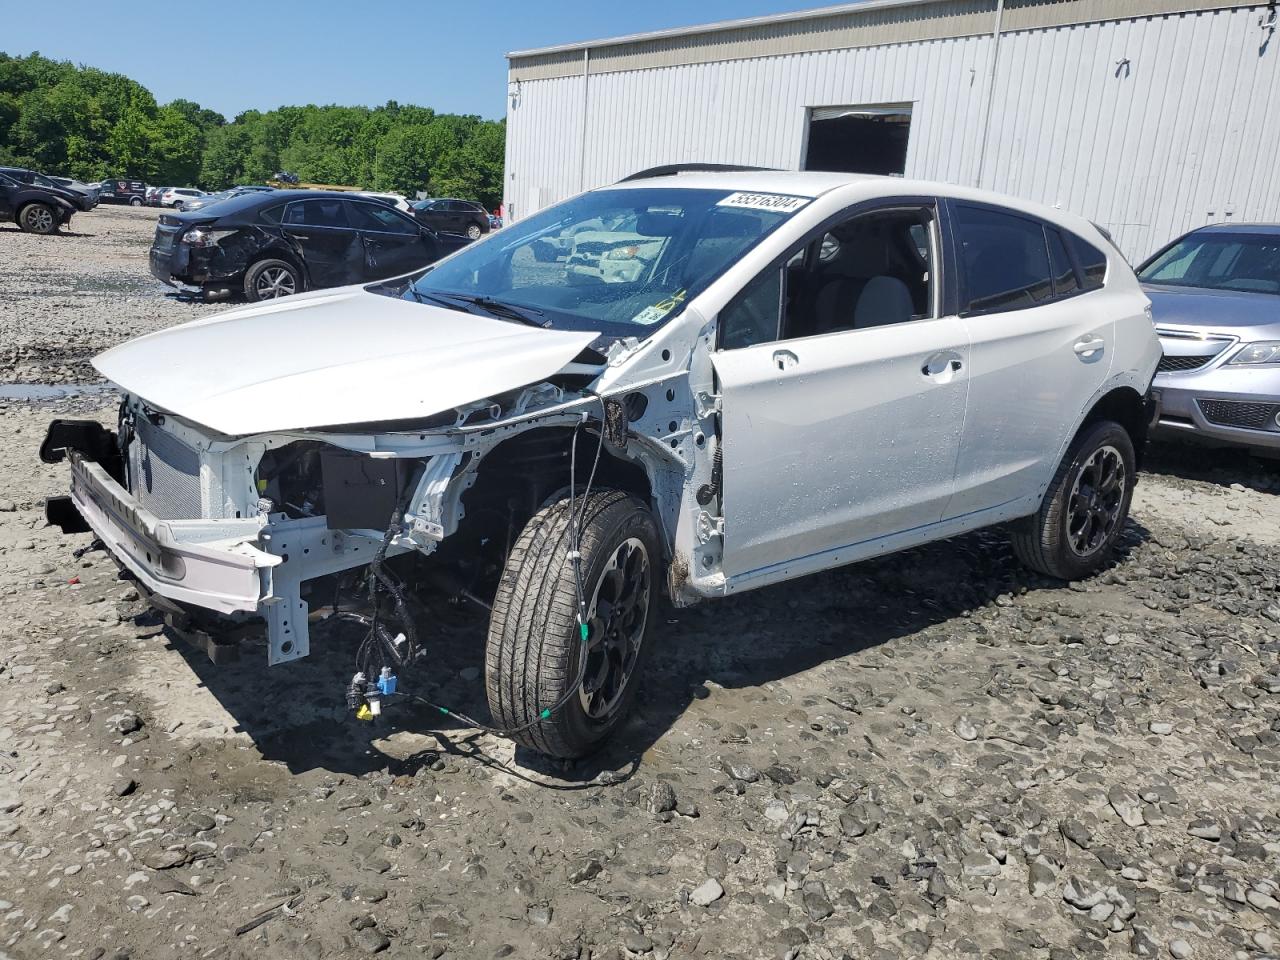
671 169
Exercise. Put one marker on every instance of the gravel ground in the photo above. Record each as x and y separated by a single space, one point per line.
932 755
69 296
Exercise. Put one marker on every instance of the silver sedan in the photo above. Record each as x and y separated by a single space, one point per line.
1215 297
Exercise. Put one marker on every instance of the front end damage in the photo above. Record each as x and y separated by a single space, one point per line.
255 529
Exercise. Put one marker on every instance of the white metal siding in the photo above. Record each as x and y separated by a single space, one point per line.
1189 133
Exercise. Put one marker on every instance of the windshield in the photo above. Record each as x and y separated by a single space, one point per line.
617 261
1219 261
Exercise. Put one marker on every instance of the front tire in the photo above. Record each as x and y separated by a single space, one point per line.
38 218
536 657
271 279
1074 533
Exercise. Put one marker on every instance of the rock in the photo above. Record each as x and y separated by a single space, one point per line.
1126 805
965 729
1205 829
1083 894
1160 727
742 771
7 506
980 865
1040 878
1141 944
662 797
1179 949
817 906
124 787
125 723
165 859
851 826
371 940
637 942
707 893
201 822
584 870
1077 833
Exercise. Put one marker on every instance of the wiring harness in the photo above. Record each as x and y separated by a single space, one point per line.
384 653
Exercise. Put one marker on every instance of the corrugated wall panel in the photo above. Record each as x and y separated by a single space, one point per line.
1147 126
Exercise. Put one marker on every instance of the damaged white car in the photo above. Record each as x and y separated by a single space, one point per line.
801 371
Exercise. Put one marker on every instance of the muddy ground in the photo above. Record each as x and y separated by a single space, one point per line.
932 755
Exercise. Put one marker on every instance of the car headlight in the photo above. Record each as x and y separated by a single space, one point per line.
1264 351
622 253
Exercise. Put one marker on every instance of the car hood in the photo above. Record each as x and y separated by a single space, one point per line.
1219 310
333 357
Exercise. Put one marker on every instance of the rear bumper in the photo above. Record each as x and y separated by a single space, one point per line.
213 564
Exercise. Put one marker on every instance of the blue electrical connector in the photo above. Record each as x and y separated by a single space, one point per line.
387 682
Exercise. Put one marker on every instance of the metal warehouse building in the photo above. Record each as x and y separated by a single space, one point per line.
1149 117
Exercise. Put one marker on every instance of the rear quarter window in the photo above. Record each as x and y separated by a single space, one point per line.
1092 261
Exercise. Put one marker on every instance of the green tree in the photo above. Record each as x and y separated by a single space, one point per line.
63 118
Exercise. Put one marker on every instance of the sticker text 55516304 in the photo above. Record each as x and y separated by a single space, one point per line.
779 202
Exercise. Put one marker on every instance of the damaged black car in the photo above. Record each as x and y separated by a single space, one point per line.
267 245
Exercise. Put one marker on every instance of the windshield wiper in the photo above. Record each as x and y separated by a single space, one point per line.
526 315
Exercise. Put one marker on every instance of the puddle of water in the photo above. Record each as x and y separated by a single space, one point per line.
50 391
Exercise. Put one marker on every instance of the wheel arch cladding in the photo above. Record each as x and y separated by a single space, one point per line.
1126 407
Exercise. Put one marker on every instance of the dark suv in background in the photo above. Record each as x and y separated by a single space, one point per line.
272 244
453 216
132 192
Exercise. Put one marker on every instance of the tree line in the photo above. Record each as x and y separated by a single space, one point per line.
77 121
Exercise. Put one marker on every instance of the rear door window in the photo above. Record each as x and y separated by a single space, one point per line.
317 213
1004 258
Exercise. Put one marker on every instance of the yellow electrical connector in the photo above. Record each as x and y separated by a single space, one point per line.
364 713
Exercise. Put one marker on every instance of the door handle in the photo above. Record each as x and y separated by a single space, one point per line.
1089 346
784 359
940 364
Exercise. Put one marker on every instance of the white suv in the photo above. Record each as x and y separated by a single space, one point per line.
178 196
804 370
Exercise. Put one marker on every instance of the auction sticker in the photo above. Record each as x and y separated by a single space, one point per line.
780 202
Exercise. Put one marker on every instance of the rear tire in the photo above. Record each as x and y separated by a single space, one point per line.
271 279
1074 533
38 218
474 231
536 658
135 202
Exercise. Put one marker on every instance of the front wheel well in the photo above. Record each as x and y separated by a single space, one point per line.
513 481
1127 407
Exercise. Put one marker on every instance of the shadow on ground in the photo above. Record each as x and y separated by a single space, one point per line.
1219 465
296 714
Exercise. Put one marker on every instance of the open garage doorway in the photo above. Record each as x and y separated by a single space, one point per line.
866 139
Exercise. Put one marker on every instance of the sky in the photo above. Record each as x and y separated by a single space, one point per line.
235 55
